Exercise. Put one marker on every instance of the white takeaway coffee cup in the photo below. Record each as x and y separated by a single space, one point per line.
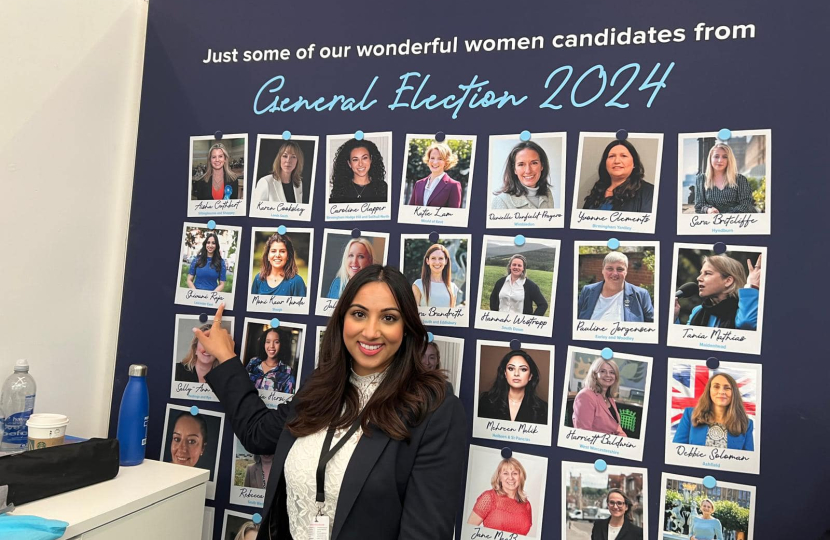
45 430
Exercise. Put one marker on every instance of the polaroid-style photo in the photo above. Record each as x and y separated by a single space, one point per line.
217 176
343 257
249 473
505 497
447 355
207 523
273 358
191 362
280 279
207 265
193 440
724 185
690 509
719 299
616 292
605 403
239 526
617 182
438 273
517 285
714 415
593 501
526 181
317 342
437 180
284 173
514 392
358 177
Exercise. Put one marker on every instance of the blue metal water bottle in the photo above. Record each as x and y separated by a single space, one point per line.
133 416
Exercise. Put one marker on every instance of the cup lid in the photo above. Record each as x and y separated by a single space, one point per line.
47 420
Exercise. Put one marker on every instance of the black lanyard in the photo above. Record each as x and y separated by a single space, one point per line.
326 454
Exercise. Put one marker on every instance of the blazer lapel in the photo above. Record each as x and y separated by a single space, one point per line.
437 192
283 446
365 456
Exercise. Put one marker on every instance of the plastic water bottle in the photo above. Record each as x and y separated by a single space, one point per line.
17 401
133 416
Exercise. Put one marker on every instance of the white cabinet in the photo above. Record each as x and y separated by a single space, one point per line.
151 500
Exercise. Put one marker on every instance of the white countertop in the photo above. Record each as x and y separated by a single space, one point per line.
133 489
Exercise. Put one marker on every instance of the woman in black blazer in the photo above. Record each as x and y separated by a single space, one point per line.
513 394
619 505
398 474
621 185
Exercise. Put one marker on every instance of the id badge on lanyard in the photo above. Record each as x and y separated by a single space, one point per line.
318 529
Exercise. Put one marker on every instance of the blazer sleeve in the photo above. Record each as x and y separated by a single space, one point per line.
645 303
582 304
494 295
455 194
646 202
747 316
749 439
413 199
537 298
257 427
434 490
684 428
584 411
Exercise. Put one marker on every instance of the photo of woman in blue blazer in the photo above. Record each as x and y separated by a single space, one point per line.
613 298
719 419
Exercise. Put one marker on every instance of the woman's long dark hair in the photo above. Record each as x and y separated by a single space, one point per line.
625 191
289 268
497 394
511 184
283 355
408 392
202 257
342 174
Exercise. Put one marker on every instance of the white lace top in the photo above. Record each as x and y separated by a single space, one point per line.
301 467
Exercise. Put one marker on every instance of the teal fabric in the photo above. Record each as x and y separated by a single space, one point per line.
31 528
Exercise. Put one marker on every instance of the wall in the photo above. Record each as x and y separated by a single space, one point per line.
70 98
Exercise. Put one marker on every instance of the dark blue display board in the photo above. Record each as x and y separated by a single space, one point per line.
755 71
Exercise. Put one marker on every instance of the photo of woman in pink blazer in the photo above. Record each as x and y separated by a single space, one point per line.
594 405
438 189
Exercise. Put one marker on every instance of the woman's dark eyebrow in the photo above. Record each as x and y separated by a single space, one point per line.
367 309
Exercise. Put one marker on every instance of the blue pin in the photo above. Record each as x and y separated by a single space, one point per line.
712 362
519 240
203 318
524 135
622 134
600 465
709 482
515 344
506 453
286 135
194 410
281 229
256 518
719 248
613 243
434 237
217 135
430 337
355 233
724 134
211 224
359 135
275 323
440 136
228 192
607 353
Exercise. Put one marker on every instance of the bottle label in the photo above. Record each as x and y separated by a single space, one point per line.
15 432
144 440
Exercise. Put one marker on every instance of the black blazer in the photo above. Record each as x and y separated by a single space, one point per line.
391 489
533 295
629 531
204 190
